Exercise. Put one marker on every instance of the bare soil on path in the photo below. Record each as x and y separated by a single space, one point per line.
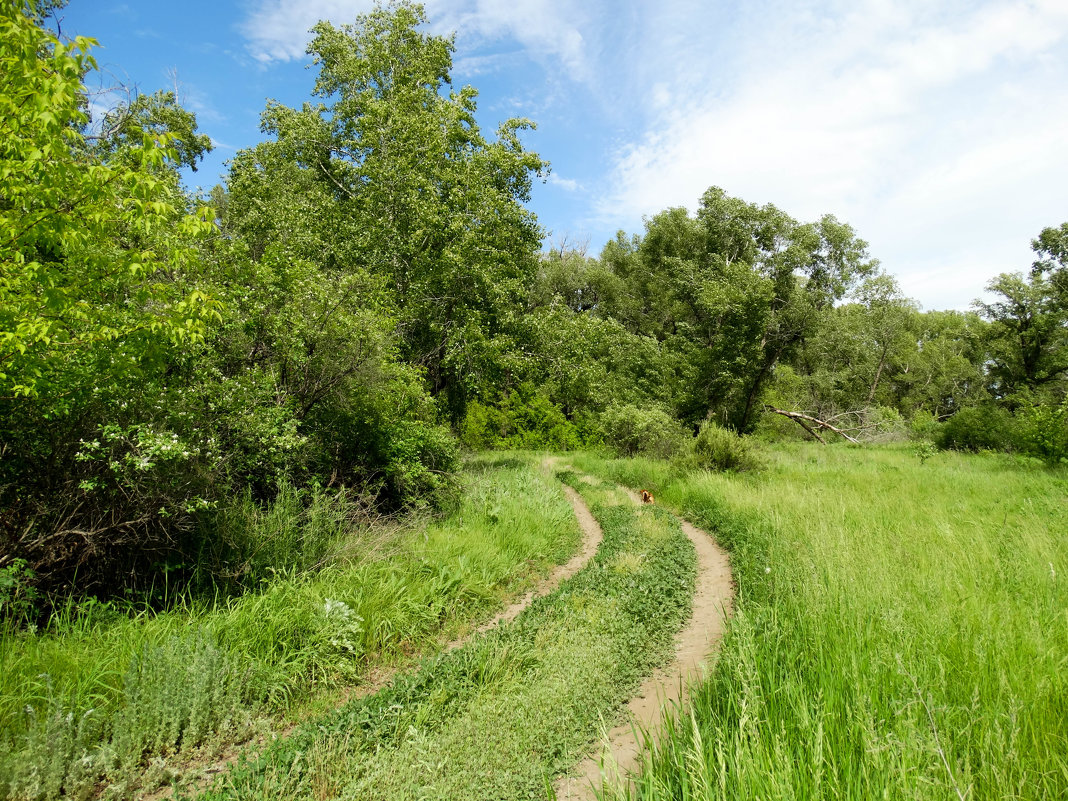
591 541
668 687
197 774
713 602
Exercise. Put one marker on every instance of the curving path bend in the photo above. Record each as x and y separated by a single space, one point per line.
591 541
713 603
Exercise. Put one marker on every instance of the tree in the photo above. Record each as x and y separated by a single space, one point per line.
85 259
101 294
732 291
397 181
1028 335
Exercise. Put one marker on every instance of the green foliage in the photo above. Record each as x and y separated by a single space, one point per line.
278 369
924 450
895 632
420 460
174 696
1044 431
17 594
734 291
523 420
391 177
924 426
178 694
716 448
95 269
497 717
978 428
246 543
112 694
631 430
1028 336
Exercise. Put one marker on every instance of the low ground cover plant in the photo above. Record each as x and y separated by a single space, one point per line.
501 716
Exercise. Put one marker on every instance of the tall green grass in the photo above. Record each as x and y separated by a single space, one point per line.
902 630
100 694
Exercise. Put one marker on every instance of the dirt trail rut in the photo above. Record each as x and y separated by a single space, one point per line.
591 541
199 776
712 604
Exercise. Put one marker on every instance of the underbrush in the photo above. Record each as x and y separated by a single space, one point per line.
501 716
101 695
900 631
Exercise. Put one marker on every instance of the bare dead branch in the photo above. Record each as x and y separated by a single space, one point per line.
798 417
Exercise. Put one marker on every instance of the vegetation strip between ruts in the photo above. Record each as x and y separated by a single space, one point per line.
667 690
499 717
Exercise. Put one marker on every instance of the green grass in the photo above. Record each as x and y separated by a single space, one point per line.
100 694
901 631
500 717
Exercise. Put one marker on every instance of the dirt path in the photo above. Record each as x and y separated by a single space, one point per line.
591 541
199 773
712 605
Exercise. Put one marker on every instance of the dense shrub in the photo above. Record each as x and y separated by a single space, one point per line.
629 431
523 419
924 426
716 448
1043 431
978 428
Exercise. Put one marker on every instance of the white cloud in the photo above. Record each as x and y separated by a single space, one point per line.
935 128
567 184
276 30
937 133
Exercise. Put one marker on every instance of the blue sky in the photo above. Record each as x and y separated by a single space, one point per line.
936 128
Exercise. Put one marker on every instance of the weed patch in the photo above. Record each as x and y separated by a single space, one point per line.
102 696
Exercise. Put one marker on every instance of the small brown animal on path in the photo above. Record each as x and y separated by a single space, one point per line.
647 497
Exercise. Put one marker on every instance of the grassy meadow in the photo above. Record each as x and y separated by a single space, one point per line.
901 632
102 694
500 717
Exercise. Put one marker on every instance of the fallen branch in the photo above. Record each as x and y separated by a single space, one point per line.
802 419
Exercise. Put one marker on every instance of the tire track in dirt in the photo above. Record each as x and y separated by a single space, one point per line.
668 687
591 541
198 775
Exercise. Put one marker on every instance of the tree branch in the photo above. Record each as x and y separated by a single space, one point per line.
801 418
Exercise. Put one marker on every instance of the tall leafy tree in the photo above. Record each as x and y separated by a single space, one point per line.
92 244
1028 335
400 183
733 290
102 294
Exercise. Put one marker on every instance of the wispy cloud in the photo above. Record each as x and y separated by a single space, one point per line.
567 184
276 30
935 128
929 132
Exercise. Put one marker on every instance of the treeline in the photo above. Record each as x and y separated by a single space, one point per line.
367 290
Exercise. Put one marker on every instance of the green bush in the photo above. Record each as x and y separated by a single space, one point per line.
924 426
420 462
1044 432
17 595
979 428
716 448
631 431
525 420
